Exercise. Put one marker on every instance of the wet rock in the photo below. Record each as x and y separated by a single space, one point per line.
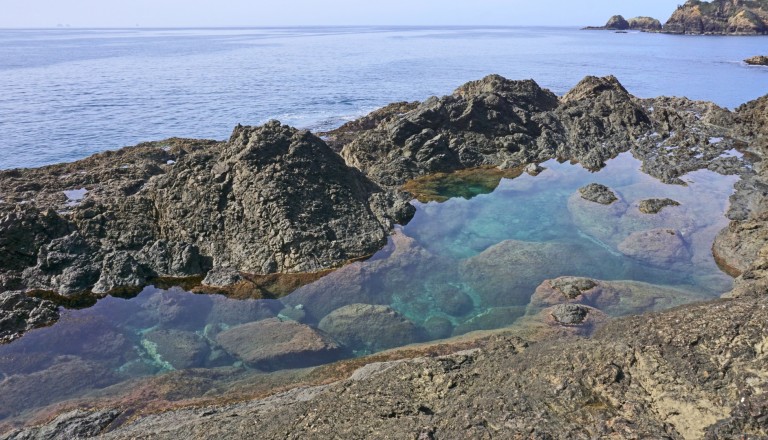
758 60
493 318
274 344
572 287
452 300
20 313
658 247
177 348
438 327
615 298
67 376
233 312
178 309
120 269
222 277
569 314
595 192
370 327
654 206
507 273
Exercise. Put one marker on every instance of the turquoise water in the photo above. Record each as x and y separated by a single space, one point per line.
458 266
69 93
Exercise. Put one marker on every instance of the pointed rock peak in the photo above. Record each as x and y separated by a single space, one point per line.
520 90
593 86
271 140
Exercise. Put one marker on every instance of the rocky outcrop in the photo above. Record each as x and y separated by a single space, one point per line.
758 60
20 313
654 206
617 22
271 199
647 24
719 17
595 192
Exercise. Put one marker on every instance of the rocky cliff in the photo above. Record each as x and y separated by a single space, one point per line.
732 17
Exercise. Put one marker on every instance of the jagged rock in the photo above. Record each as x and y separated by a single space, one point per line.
569 314
654 206
757 60
20 313
571 287
595 192
222 277
731 17
370 327
274 344
648 24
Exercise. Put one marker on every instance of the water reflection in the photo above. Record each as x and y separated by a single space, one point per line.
458 266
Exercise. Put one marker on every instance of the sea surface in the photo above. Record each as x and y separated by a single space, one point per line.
69 93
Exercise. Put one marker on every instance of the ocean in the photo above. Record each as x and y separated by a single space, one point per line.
70 93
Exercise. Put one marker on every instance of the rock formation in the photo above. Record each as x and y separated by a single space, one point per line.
729 17
757 60
647 24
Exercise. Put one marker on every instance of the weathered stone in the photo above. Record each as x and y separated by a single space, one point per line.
757 60
654 206
273 344
617 22
657 247
595 192
179 349
719 17
648 24
20 313
370 327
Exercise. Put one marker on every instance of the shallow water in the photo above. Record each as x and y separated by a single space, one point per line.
69 93
460 265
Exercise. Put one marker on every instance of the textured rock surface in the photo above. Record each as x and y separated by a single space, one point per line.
271 344
370 327
617 22
648 24
595 192
693 372
271 199
20 313
757 60
654 206
732 17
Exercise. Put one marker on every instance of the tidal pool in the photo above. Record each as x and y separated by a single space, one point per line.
462 264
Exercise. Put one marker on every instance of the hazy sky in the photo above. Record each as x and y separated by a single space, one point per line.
175 13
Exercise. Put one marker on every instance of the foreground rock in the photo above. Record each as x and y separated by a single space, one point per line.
271 199
273 344
654 206
595 192
719 17
655 376
758 60
370 327
20 313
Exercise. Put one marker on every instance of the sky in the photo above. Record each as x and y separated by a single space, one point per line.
215 13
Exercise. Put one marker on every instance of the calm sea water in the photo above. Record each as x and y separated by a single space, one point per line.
67 94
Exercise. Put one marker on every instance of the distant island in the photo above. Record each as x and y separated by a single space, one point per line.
718 17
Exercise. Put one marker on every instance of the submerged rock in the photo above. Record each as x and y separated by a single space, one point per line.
595 192
176 348
370 327
654 206
273 344
661 247
20 313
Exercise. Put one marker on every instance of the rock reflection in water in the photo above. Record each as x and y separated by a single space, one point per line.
465 264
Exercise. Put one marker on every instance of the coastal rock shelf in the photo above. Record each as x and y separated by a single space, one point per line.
502 237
